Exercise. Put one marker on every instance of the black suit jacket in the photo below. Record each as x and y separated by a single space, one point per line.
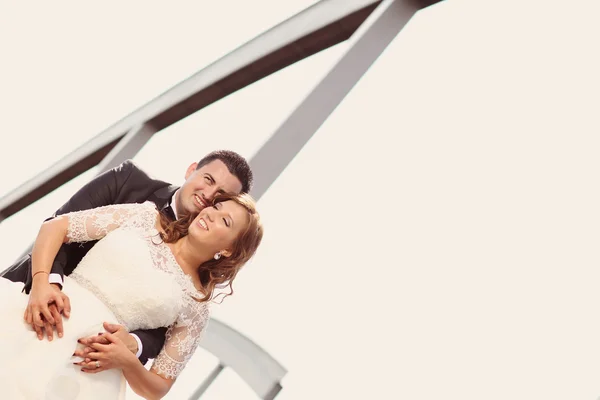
125 183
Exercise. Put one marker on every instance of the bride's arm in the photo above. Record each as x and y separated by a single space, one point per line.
181 342
51 236
146 383
83 226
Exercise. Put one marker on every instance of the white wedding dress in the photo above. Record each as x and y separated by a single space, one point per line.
125 278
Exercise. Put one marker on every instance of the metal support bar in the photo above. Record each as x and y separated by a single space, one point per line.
366 44
207 382
273 393
253 364
127 147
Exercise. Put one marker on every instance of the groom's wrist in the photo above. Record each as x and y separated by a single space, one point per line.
136 348
56 279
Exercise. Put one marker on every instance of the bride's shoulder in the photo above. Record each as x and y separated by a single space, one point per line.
149 206
138 215
146 207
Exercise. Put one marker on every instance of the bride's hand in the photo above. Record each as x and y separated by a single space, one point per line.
115 354
46 303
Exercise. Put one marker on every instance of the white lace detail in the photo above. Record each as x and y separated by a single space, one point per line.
94 224
117 271
182 339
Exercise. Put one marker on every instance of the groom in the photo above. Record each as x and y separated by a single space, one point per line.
218 172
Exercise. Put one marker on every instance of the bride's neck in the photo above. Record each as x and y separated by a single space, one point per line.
187 256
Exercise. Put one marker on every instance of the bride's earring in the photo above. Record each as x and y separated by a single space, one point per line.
217 256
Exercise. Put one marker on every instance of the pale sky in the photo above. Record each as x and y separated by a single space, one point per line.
437 238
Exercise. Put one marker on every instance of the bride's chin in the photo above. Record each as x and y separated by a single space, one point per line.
196 233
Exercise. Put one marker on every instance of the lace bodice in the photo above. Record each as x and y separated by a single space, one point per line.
136 275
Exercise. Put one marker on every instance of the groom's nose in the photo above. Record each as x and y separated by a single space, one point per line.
209 193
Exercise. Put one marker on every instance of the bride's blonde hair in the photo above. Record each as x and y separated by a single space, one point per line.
224 270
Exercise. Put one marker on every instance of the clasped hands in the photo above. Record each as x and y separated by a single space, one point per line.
46 304
114 348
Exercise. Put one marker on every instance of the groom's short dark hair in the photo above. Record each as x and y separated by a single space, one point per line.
236 164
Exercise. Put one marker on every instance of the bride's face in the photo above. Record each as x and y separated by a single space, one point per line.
218 226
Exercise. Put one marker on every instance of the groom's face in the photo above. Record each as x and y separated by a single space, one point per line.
203 184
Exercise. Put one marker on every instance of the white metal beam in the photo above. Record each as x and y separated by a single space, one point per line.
127 147
253 364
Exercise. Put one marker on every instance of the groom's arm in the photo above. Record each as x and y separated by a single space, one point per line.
103 190
151 341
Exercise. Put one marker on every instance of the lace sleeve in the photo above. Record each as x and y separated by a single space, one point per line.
182 339
94 224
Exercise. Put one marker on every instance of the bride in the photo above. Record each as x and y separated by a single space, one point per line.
145 273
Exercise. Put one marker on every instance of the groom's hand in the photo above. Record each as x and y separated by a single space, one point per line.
46 303
117 331
114 354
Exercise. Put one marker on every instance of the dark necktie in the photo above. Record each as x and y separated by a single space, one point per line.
169 211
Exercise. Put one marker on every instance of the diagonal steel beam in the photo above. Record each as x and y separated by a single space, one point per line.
207 382
127 147
366 44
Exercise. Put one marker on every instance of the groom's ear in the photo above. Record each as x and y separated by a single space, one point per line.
190 170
